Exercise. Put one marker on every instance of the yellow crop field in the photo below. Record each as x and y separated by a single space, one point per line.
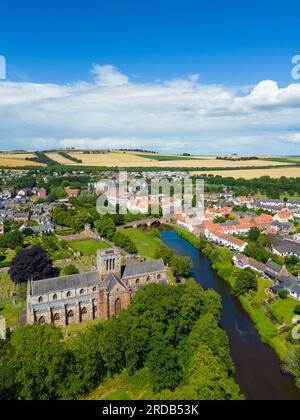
293 172
11 163
60 159
12 155
132 159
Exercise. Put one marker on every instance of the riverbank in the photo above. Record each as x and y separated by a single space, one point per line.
268 314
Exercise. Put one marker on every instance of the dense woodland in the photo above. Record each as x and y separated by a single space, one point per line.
171 331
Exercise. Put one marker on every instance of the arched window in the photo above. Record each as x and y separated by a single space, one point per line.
148 279
42 320
70 317
94 289
137 281
84 314
54 297
40 299
81 291
69 294
56 318
118 307
159 277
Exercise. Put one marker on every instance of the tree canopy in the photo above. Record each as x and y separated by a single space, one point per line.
31 264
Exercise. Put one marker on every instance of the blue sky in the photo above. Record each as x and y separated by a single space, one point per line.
180 75
227 42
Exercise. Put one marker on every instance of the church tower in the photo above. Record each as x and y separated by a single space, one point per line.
109 261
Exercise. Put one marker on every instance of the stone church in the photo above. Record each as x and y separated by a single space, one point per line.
91 296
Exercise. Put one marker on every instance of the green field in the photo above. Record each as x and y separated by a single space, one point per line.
145 243
166 158
88 246
285 160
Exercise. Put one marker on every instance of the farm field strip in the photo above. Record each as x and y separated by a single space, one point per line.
11 155
292 172
129 160
14 163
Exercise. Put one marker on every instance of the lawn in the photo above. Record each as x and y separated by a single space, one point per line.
146 244
12 300
124 387
88 246
283 310
8 256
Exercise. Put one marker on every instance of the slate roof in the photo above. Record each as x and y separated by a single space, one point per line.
112 281
59 284
273 266
285 246
296 289
139 269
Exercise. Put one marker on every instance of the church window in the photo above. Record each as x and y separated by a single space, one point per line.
159 277
70 317
42 320
54 297
56 317
118 307
82 291
40 299
68 294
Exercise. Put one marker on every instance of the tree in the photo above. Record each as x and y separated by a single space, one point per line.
106 227
165 253
207 331
207 378
246 281
7 373
254 234
110 344
31 264
27 232
181 265
11 240
40 362
162 362
69 270
122 240
87 365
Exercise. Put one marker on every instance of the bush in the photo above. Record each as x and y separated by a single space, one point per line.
283 294
69 270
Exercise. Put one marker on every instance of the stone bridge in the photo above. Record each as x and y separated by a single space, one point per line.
145 222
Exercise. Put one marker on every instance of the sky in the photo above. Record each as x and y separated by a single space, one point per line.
174 76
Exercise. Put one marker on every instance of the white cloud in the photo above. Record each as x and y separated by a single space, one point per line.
108 76
176 115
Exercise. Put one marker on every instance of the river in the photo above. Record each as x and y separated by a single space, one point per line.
258 370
